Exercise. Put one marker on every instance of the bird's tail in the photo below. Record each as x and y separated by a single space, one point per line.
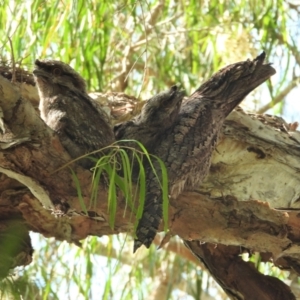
149 223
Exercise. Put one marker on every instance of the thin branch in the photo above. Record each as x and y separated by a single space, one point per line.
13 79
280 96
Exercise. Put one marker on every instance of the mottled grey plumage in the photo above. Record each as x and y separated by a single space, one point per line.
65 106
157 115
187 146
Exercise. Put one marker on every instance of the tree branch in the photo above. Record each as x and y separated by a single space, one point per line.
280 96
256 158
239 279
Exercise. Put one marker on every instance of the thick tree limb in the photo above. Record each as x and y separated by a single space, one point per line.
257 161
238 278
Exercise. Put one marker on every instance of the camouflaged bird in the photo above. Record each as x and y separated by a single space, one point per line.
79 121
187 146
158 114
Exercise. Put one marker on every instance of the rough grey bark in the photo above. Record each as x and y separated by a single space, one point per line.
187 147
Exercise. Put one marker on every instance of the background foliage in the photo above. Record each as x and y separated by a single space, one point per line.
142 47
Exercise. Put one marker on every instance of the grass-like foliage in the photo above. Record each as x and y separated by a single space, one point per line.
115 169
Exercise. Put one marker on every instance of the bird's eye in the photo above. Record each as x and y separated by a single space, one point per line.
56 71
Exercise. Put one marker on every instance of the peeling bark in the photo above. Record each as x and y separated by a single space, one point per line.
255 170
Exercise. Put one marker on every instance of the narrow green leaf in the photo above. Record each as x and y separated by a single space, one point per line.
79 193
112 198
142 188
165 192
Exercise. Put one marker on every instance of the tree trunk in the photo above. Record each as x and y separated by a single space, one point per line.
248 202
